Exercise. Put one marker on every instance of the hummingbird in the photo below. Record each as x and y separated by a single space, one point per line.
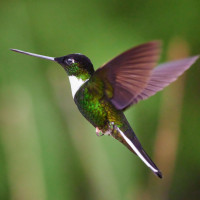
103 95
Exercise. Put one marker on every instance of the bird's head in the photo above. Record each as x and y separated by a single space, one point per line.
76 65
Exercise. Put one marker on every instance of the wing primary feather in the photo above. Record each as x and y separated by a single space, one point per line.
162 76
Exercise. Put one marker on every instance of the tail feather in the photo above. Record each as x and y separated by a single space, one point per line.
135 146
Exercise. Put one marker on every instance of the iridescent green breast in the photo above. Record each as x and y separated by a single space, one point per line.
91 105
96 108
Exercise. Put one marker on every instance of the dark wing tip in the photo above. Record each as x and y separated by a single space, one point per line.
159 174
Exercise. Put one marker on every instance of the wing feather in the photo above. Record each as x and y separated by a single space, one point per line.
163 75
129 73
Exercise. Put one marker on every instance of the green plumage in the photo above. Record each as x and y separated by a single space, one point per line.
96 108
100 112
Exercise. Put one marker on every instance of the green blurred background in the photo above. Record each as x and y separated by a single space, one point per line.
48 150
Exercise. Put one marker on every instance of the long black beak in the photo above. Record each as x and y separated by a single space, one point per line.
34 54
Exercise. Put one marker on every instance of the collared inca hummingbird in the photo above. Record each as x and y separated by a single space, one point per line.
103 95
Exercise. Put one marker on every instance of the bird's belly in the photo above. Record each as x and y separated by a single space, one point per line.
97 110
94 110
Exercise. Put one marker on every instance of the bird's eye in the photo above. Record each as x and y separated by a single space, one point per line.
70 61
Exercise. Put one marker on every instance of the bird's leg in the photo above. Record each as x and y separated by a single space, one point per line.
111 125
98 131
113 128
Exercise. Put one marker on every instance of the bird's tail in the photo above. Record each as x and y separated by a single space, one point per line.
134 145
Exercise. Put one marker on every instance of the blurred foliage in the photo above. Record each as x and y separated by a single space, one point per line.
48 150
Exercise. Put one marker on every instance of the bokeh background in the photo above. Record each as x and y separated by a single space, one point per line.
48 150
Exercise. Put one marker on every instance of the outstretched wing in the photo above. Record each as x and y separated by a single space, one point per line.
162 76
127 75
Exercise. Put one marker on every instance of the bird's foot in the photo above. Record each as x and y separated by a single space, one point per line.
99 132
111 125
113 128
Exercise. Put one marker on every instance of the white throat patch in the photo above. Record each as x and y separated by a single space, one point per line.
75 84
